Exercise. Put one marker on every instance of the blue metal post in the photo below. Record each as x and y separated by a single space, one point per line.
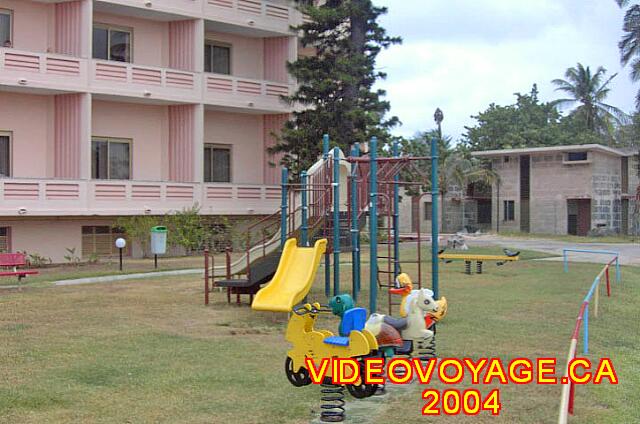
435 191
373 226
336 221
618 276
396 214
304 228
355 228
325 146
284 206
585 332
565 259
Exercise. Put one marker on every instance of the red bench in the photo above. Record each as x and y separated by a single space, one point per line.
13 261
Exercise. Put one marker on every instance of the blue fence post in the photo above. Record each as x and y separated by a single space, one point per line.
284 206
565 259
373 226
304 228
396 214
435 230
336 221
327 258
585 333
618 276
355 228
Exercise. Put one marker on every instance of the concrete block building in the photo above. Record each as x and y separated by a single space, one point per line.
576 190
131 107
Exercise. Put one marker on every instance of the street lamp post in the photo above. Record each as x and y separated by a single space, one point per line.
121 244
439 117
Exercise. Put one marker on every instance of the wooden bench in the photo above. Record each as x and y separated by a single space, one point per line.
9 263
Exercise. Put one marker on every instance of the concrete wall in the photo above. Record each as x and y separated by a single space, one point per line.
32 139
552 183
246 54
244 133
148 128
606 200
150 38
33 25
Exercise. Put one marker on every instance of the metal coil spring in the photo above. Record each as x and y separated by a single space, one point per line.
332 403
426 349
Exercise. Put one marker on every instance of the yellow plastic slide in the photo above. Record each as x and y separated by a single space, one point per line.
293 279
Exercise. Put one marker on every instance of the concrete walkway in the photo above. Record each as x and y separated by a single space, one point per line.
122 277
629 252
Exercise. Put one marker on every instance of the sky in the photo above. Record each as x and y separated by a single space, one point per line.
463 55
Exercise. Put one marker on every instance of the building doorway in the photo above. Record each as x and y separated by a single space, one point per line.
525 190
578 216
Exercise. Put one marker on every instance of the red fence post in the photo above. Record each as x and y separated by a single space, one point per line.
206 276
572 394
608 282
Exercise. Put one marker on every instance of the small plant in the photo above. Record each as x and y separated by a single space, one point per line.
71 257
93 258
35 260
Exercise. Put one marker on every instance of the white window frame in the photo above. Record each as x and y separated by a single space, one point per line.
228 147
109 28
214 43
110 140
10 13
10 135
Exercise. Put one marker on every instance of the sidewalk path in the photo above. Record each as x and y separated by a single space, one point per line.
122 277
629 252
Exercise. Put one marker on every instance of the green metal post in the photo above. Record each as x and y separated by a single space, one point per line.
435 190
373 226
355 274
304 228
325 146
336 221
284 207
356 206
396 214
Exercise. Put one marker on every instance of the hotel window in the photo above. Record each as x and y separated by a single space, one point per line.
427 211
112 43
6 28
4 239
577 156
509 210
217 164
110 159
5 154
217 58
100 240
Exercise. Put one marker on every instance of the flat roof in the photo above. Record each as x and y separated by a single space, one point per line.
549 149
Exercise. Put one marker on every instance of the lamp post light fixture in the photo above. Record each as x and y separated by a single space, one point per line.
121 244
438 116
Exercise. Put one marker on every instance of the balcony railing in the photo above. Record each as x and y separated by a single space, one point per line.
31 197
244 92
42 70
144 81
274 16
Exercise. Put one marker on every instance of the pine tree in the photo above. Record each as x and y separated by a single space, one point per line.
335 94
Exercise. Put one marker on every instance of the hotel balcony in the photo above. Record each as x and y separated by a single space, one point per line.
243 93
257 17
149 82
52 197
45 71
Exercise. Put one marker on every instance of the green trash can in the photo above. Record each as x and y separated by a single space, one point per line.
159 240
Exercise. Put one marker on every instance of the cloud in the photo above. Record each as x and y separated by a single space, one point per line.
462 55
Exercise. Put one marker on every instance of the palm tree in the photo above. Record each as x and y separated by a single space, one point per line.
630 43
589 90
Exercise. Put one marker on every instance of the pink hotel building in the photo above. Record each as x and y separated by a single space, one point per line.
132 107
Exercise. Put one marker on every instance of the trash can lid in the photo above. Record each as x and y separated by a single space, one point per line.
159 229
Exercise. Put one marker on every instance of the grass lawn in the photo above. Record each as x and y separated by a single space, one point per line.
148 351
